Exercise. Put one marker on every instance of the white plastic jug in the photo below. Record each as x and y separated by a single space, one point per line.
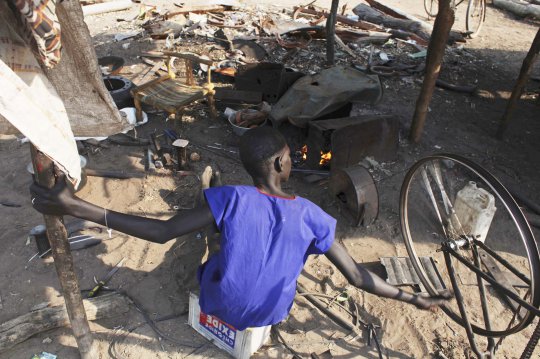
474 209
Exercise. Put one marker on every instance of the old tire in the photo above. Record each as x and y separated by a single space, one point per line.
119 87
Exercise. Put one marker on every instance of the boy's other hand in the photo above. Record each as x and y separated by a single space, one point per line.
55 201
433 302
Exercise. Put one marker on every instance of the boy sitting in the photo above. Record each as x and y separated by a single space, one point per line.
266 237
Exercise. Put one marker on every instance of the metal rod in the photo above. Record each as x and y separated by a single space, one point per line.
312 172
503 261
459 300
432 197
492 281
329 312
483 301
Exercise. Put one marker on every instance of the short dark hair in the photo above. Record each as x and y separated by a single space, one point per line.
259 145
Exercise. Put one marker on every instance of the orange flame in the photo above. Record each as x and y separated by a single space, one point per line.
325 158
304 152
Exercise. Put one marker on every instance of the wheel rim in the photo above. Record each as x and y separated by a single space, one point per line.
431 7
426 224
476 12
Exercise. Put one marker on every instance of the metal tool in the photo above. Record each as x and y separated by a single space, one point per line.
312 172
100 284
75 243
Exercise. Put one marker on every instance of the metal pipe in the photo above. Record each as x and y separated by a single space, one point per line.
459 300
483 301
503 261
492 281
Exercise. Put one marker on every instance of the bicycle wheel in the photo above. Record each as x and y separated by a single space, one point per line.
475 17
447 201
431 7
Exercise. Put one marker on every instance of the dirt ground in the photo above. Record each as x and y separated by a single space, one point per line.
159 277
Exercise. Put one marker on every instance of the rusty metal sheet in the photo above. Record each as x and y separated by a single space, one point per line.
351 139
377 137
237 96
401 272
264 77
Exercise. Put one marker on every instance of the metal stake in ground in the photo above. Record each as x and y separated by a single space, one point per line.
437 44
63 261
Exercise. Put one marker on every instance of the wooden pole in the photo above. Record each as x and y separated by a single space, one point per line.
331 32
435 53
63 261
524 73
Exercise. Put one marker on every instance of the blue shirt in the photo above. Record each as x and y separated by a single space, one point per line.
265 241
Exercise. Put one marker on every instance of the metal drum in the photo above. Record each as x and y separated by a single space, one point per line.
355 188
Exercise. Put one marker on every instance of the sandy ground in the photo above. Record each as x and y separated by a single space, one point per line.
160 276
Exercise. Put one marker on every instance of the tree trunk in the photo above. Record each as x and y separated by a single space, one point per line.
331 33
367 13
400 14
21 328
435 54
524 73
340 18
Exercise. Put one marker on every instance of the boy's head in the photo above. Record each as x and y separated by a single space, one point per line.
263 150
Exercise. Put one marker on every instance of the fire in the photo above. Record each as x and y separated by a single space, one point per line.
325 158
304 152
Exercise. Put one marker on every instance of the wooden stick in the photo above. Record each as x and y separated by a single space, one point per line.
435 53
400 14
19 329
524 73
196 10
372 15
106 7
189 56
63 261
340 18
331 33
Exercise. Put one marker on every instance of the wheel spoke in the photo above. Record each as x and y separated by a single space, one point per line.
450 203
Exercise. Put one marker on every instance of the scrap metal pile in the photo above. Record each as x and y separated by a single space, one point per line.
376 39
261 65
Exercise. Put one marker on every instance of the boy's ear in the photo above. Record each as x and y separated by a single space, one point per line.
277 164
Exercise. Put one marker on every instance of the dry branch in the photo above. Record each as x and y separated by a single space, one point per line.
369 14
21 328
340 18
400 14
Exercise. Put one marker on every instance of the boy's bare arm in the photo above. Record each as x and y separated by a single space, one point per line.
61 201
364 279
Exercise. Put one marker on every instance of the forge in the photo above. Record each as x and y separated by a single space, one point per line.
338 145
344 142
